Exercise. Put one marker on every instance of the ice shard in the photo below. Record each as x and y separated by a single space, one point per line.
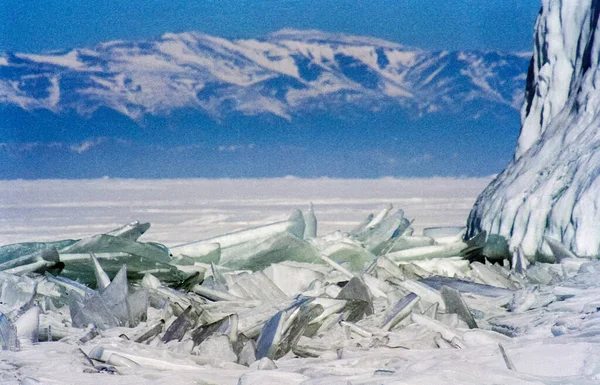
180 326
27 326
102 279
455 303
198 252
8 334
132 230
310 221
401 310
357 292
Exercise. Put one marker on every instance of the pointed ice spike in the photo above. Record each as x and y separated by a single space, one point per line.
102 279
178 328
8 334
27 326
131 231
310 221
559 250
431 311
379 217
357 291
456 304
400 311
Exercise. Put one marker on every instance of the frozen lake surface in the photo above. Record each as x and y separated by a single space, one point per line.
189 209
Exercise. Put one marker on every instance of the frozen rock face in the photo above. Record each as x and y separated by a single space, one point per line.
552 187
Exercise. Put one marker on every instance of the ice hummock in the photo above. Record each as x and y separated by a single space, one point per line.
552 187
335 308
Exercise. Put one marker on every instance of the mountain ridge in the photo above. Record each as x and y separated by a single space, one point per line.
288 72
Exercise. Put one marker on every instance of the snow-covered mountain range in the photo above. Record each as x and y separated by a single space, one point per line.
288 73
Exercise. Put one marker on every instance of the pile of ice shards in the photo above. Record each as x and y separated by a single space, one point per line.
278 295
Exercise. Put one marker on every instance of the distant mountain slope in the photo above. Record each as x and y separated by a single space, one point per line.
286 74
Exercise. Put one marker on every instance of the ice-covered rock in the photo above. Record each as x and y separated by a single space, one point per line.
552 187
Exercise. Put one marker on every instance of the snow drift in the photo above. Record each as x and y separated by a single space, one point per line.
552 187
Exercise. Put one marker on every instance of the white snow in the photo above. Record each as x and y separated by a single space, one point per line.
185 210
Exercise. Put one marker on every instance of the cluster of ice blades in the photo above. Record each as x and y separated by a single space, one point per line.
278 304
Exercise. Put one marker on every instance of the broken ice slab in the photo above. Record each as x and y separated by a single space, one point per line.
16 250
27 326
132 230
151 332
49 255
404 242
400 311
113 306
224 326
357 291
437 282
293 225
425 292
352 255
8 334
198 252
261 252
428 252
104 243
180 326
386 269
256 286
447 333
456 304
295 277
383 234
446 234
77 266
282 331
490 276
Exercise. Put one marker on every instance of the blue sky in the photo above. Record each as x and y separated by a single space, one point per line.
370 146
37 25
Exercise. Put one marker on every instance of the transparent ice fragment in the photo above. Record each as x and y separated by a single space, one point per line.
8 334
455 303
437 282
179 327
49 255
102 279
132 230
261 252
198 252
404 242
283 330
354 256
447 234
16 250
357 292
295 277
400 311
27 326
257 286
310 221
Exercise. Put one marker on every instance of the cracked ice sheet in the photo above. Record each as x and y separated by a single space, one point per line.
185 210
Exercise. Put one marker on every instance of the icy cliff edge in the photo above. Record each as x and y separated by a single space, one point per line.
552 187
